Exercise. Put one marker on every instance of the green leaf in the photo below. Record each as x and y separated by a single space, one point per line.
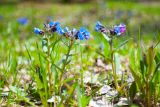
83 100
137 77
132 90
54 44
41 78
104 56
28 54
117 63
156 69
67 80
150 62
68 62
123 43
20 92
57 67
152 87
134 105
71 92
157 44
106 37
156 76
157 58
142 66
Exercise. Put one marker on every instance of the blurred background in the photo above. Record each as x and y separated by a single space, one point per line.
69 0
19 17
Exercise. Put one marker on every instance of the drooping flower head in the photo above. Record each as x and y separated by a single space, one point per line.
120 29
116 30
80 34
55 27
83 34
22 21
50 27
70 33
98 26
38 31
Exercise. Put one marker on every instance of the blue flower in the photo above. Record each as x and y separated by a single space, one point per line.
120 29
77 34
22 21
74 30
66 29
83 34
117 30
55 27
38 31
98 26
70 33
59 30
51 23
80 36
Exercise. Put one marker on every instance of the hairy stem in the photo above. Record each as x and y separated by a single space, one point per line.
50 72
148 94
65 63
113 64
49 69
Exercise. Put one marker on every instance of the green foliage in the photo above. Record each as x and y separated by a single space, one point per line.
145 71
132 91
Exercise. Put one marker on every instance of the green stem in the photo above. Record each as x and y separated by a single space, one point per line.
148 94
49 69
65 63
155 98
113 64
81 70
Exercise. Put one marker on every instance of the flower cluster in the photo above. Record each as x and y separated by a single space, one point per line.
52 27
80 34
38 31
116 30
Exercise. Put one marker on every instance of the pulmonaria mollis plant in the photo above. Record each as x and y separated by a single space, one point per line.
52 27
47 33
110 34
